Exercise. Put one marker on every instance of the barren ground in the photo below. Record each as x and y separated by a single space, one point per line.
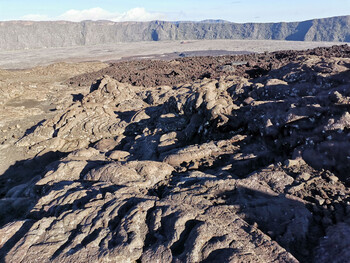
31 58
197 159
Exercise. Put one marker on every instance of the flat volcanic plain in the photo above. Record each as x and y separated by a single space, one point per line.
230 158
28 58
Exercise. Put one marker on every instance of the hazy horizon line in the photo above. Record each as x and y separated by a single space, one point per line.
218 20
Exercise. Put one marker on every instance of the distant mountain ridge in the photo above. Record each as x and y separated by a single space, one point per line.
16 35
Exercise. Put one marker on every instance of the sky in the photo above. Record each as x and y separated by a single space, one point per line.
239 11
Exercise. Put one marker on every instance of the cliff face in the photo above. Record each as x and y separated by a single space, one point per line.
24 34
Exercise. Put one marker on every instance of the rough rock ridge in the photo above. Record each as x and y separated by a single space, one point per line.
242 168
48 34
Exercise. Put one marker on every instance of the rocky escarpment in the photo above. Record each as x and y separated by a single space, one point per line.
249 167
28 35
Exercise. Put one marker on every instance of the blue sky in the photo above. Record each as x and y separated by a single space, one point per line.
233 10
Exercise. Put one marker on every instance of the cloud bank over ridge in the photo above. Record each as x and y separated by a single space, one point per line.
97 13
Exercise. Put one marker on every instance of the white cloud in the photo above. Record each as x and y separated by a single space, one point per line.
86 14
139 14
97 13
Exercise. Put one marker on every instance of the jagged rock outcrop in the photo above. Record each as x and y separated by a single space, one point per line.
250 168
28 34
183 70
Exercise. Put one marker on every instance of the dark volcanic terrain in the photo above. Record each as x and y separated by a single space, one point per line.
208 159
